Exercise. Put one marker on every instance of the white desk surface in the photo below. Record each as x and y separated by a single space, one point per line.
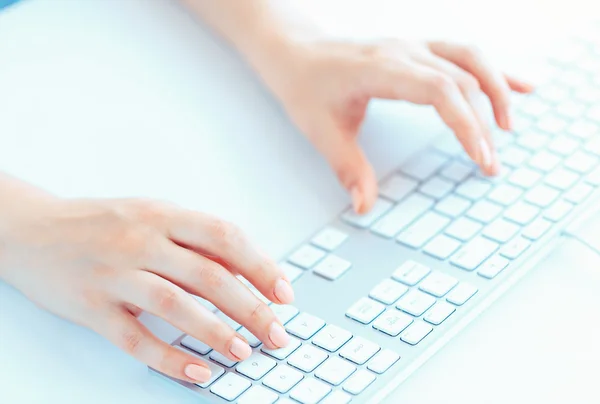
133 98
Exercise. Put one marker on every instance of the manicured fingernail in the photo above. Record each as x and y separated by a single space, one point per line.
485 154
356 199
240 349
283 291
197 372
278 336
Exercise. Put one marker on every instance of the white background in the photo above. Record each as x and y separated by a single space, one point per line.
133 98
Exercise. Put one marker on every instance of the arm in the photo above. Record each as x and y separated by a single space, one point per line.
325 85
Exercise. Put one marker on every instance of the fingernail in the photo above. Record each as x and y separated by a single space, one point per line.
197 372
356 199
508 120
485 154
278 336
240 349
283 291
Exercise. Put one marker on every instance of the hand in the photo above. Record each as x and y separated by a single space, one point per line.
100 262
326 88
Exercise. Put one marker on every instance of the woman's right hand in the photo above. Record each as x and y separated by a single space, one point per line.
99 263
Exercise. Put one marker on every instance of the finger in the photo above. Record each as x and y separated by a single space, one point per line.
163 299
471 90
348 161
205 278
134 310
492 81
218 238
126 332
413 82
518 85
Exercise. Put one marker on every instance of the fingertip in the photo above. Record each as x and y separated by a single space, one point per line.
283 291
357 200
198 373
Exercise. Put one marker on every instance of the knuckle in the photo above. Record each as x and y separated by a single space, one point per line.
441 87
149 211
211 275
165 299
131 341
471 55
226 233
134 240
260 313
468 84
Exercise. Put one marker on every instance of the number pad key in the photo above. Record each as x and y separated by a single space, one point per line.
284 312
359 350
336 397
335 370
416 332
282 353
331 338
359 382
415 302
329 238
306 256
365 310
230 386
383 361
392 322
310 391
256 366
438 284
439 312
304 325
258 395
307 358
410 273
461 294
493 267
388 291
332 267
283 378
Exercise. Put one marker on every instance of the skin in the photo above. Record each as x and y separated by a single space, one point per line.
99 263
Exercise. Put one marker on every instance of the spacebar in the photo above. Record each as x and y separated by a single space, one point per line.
402 215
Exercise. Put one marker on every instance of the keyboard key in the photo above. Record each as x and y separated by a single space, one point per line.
359 382
365 310
359 350
463 229
438 283
484 211
304 325
571 109
581 162
335 370
410 273
403 214
388 291
473 188
537 229
501 231
331 338
195 345
521 213
362 221
230 386
524 177
398 187
421 231
310 391
441 247
582 129
579 193
505 194
561 179
552 124
552 93
563 145
291 271
514 156
415 302
532 141
337 397
424 165
332 267
216 371
534 107
448 145
474 253
383 361
282 378
282 353
593 178
258 395
306 256
594 114
439 312
416 332
544 161
329 238
593 146
223 360
456 171
542 196
461 294
256 366
284 312
252 340
436 187
452 206
307 358
392 322
515 248
558 211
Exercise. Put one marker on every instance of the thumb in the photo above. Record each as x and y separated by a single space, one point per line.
352 168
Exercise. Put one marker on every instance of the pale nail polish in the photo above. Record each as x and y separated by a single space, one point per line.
240 349
197 372
485 154
356 199
278 336
508 121
283 291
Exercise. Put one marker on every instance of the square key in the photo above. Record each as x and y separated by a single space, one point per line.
415 302
331 338
306 256
416 332
439 312
335 370
461 293
258 394
329 238
410 273
388 291
438 283
307 358
310 391
304 325
359 382
256 366
359 350
365 310
230 386
332 267
441 247
392 322
383 361
282 378
282 353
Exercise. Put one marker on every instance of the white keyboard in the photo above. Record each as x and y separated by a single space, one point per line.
374 292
